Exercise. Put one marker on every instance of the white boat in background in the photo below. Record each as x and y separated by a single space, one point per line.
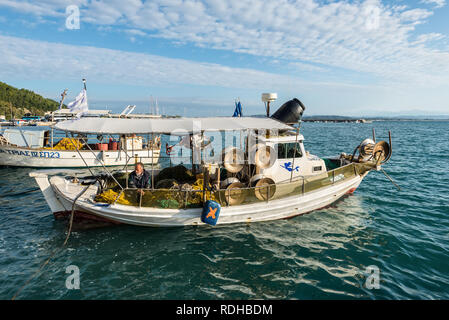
45 149
270 176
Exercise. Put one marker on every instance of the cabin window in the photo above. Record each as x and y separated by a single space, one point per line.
287 150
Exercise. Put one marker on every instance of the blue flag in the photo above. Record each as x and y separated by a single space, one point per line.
238 109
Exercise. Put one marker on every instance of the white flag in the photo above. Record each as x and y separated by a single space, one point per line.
79 105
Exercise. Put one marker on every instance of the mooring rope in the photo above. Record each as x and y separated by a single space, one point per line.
391 179
57 249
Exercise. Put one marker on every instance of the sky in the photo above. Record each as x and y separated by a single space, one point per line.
196 57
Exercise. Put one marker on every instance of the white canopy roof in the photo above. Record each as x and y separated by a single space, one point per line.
168 125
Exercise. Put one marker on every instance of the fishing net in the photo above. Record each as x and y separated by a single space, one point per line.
175 195
179 173
110 195
68 144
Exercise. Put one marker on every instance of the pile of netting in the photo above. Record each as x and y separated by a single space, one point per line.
68 144
175 188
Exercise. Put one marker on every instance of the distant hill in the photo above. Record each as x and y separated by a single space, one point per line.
328 117
22 101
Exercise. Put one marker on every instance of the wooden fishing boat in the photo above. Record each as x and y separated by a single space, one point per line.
265 174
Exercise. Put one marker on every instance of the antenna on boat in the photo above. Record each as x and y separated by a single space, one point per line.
267 98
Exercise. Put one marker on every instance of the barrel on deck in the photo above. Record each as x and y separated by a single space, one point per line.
113 145
102 146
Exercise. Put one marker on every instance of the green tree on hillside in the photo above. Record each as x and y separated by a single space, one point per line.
20 100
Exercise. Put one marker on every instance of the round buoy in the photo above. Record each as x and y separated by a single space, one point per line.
233 159
235 193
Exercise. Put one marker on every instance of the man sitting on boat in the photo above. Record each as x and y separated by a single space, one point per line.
139 178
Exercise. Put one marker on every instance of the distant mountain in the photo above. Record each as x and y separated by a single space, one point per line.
17 102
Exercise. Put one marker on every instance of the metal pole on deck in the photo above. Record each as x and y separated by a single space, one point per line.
126 164
76 147
191 148
102 163
63 94
294 153
204 169
152 162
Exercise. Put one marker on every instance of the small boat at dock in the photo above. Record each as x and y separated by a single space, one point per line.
264 174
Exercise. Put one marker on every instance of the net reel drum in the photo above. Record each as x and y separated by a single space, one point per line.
263 156
233 159
369 150
265 188
381 152
235 193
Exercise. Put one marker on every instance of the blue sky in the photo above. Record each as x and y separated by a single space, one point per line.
339 57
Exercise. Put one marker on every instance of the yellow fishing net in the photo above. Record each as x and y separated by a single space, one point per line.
159 198
110 195
68 144
198 185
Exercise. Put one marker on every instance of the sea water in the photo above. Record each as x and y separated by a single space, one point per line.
379 243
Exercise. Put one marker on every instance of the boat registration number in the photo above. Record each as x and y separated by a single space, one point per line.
34 154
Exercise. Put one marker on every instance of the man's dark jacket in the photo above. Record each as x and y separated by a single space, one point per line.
141 182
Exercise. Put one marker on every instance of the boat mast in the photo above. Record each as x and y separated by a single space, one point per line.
62 98
63 94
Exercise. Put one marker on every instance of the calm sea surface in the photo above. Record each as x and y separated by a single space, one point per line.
321 255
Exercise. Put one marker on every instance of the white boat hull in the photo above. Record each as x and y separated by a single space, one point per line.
60 195
43 158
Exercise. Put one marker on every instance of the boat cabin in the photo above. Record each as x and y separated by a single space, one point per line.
292 160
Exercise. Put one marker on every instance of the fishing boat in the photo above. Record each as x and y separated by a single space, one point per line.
50 148
264 174
47 148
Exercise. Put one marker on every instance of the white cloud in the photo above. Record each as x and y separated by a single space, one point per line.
415 15
306 67
31 59
42 8
423 38
369 37
436 3
135 32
